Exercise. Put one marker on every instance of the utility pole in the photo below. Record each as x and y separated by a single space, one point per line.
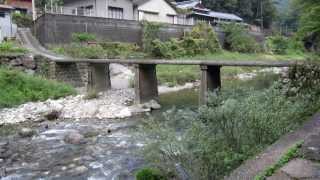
34 11
261 15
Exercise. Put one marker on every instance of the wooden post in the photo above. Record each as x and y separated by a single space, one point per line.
99 77
210 81
146 84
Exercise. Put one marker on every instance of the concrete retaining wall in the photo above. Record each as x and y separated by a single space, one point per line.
57 29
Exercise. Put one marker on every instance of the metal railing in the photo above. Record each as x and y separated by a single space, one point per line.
70 11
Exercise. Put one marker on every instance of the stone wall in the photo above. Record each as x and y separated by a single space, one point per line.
57 29
75 74
23 63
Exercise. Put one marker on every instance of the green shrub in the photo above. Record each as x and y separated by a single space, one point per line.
208 40
83 37
236 124
10 47
149 174
277 44
118 49
201 40
303 79
150 33
22 20
168 49
238 39
18 88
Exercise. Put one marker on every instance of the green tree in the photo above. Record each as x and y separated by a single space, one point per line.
310 22
250 10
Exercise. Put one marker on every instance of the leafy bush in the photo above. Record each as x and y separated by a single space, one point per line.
22 20
234 126
277 44
18 88
119 50
150 33
11 47
303 79
204 33
83 37
149 174
238 39
169 49
201 40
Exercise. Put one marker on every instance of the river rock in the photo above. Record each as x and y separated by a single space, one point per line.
29 63
74 138
88 133
153 104
26 132
16 62
52 115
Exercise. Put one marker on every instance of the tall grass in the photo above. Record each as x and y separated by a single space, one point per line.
17 88
236 124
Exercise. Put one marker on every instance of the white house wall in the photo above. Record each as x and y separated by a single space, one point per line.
7 27
99 6
161 7
126 5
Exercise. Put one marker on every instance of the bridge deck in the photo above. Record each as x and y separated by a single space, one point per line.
186 62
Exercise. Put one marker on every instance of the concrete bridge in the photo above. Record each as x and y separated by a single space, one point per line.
146 84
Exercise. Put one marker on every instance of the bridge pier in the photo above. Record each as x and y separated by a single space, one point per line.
98 77
210 81
146 83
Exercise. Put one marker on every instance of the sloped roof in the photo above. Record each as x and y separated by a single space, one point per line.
196 5
140 2
187 4
225 16
2 6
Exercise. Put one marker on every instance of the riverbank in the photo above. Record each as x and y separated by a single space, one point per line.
115 103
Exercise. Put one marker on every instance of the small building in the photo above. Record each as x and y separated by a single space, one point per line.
7 27
22 6
150 10
196 12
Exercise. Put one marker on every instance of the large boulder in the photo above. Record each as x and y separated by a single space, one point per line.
74 138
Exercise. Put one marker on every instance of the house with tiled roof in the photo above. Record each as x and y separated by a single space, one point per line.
150 10
197 12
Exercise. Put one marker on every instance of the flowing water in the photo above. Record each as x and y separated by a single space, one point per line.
107 150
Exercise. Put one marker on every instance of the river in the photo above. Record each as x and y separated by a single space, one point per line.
107 150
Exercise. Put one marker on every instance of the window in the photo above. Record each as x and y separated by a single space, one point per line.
115 12
2 14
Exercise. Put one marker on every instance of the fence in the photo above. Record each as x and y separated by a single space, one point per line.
90 12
